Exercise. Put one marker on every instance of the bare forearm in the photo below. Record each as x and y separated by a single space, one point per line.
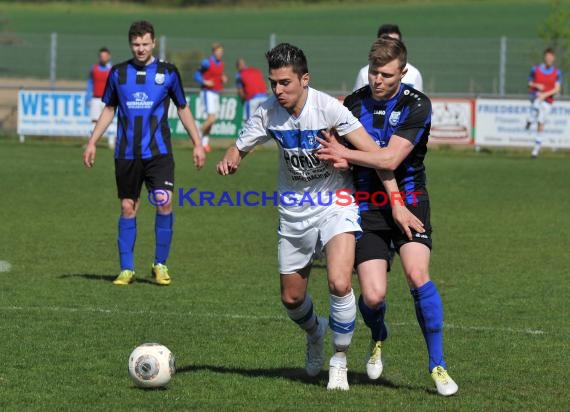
189 124
102 124
380 159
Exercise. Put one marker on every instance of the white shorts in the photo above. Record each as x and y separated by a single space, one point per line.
210 102
539 111
95 108
299 239
251 105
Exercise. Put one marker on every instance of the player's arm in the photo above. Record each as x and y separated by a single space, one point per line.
104 121
388 158
405 219
239 87
189 124
199 74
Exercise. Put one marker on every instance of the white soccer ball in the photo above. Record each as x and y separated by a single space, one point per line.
151 365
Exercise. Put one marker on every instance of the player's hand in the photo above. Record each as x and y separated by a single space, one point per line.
199 156
208 83
406 220
341 164
331 149
226 167
89 154
539 86
224 78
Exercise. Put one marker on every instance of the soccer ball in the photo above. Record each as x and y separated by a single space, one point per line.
151 365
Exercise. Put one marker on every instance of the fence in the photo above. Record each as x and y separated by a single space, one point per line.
448 65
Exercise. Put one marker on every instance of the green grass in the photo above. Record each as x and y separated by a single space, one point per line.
455 44
500 261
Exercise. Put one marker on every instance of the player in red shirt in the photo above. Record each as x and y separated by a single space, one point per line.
96 86
251 87
211 78
543 82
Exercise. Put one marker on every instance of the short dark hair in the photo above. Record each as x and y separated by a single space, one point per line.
388 29
140 28
385 49
285 55
549 50
104 50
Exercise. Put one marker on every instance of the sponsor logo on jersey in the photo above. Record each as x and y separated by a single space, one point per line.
140 101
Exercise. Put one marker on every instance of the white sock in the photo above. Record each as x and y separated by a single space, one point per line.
205 140
338 359
342 320
537 144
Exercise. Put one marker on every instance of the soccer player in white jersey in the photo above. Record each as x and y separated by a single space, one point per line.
412 76
308 211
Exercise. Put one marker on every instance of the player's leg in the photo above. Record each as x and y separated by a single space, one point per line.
128 175
337 232
372 265
538 113
415 258
211 107
159 178
294 249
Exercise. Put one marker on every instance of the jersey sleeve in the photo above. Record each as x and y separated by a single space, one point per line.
254 131
176 90
559 76
110 96
532 74
341 118
416 118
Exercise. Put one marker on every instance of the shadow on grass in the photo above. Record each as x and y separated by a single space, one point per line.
296 375
103 278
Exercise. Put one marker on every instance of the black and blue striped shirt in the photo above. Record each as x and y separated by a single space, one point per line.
142 95
408 115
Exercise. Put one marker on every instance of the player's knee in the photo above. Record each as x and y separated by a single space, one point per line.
165 209
128 208
340 286
374 298
292 299
417 276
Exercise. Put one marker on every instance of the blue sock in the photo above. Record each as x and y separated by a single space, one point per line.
429 311
374 319
126 242
163 232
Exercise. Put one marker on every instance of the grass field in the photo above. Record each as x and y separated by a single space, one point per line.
500 261
455 44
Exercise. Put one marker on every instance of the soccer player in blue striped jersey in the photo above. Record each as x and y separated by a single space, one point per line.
398 117
141 89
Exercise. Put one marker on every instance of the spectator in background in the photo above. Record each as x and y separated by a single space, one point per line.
96 86
211 78
412 76
543 82
251 87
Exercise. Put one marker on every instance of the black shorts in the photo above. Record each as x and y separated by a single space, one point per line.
156 172
379 231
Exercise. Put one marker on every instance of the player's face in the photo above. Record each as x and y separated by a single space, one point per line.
142 48
288 88
385 80
104 58
218 53
549 59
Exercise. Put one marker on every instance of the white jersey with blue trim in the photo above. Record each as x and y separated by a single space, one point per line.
301 173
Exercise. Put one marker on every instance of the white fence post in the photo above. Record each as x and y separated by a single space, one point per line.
162 48
503 66
272 40
53 60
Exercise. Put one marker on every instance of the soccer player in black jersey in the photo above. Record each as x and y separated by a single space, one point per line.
398 117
